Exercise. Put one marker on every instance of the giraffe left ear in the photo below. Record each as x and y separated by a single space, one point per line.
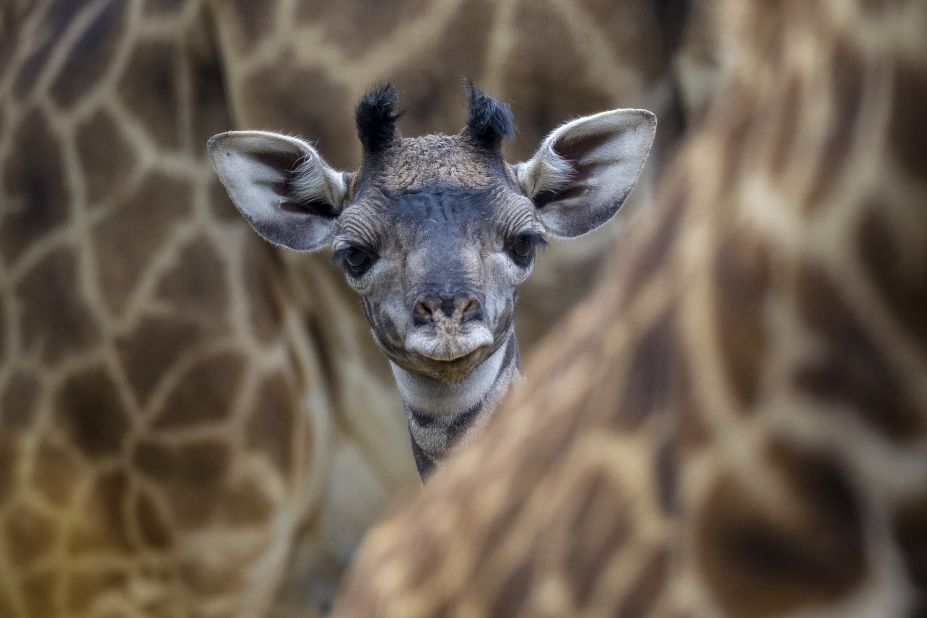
584 171
282 186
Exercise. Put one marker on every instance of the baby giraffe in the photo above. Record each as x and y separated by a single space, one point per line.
436 234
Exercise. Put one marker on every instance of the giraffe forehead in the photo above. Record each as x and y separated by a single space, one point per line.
414 164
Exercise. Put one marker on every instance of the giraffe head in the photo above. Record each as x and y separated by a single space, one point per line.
436 233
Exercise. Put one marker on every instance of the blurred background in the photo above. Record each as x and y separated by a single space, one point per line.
188 416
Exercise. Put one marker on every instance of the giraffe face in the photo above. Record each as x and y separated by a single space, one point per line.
436 233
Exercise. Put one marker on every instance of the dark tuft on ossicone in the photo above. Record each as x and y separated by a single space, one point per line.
376 117
490 121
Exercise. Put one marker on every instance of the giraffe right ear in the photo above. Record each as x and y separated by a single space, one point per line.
286 191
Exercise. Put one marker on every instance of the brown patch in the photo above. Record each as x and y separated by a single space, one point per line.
788 111
355 27
152 522
105 524
646 257
272 427
191 476
902 282
150 87
265 293
206 394
105 157
198 281
132 235
647 586
846 101
33 181
86 587
29 536
38 592
55 473
907 124
89 410
251 22
17 403
759 560
90 57
163 7
220 204
909 524
59 15
852 371
657 379
430 82
666 463
597 530
245 504
278 99
742 277
149 351
514 591
210 114
553 86
54 317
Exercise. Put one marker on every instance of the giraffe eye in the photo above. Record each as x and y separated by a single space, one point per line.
356 261
523 247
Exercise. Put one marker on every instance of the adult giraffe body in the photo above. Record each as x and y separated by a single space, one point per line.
183 426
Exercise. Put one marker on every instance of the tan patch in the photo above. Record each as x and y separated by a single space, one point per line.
55 473
205 394
150 87
89 410
104 525
265 293
762 561
90 56
105 157
152 348
902 280
54 317
908 125
742 272
33 183
191 476
29 535
852 372
278 99
272 427
132 235
198 282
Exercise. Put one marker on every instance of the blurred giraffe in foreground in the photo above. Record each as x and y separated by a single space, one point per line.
735 421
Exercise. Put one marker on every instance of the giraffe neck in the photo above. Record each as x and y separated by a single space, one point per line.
444 414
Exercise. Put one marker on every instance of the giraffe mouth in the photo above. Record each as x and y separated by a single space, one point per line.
442 347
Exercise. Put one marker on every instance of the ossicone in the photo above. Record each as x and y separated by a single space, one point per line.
489 121
376 116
